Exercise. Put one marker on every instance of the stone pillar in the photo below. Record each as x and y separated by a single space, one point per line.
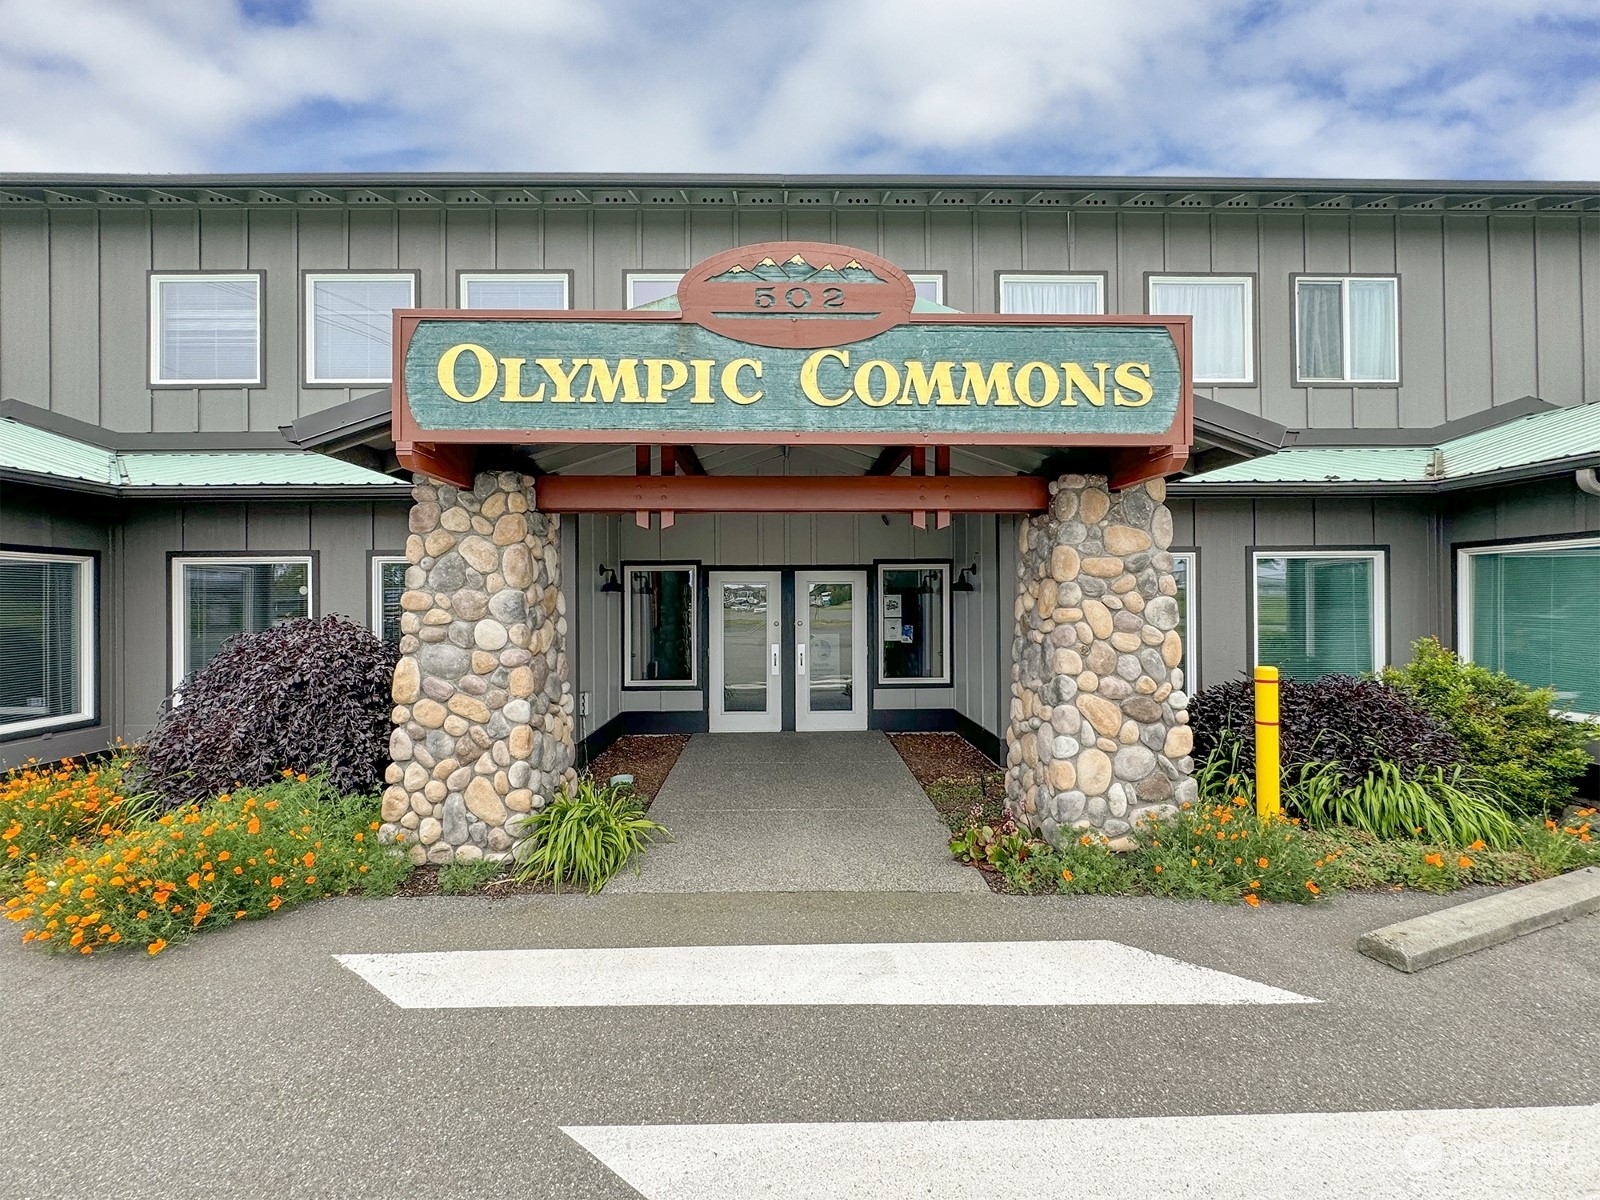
1099 733
483 716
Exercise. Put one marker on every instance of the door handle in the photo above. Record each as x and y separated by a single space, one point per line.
777 660
800 658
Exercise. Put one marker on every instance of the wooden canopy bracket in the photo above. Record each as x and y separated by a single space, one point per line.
688 461
1140 466
451 463
889 460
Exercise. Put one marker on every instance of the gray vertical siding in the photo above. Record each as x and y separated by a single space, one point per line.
1492 305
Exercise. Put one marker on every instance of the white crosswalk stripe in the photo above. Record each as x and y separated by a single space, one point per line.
1465 1154
902 973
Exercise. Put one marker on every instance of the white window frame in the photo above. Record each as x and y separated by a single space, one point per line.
1464 568
1249 284
158 311
466 278
876 631
88 650
632 277
1344 328
309 302
934 277
1099 282
1191 641
1380 597
629 570
379 561
180 609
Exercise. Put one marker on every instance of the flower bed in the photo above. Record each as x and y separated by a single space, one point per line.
151 881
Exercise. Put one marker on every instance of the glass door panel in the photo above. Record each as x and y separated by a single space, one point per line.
830 650
746 654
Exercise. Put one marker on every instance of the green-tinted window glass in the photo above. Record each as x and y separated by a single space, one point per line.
1315 615
223 599
391 585
1535 614
661 643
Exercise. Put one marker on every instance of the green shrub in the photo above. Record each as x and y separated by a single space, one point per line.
1451 808
1081 865
457 878
1528 756
236 856
585 837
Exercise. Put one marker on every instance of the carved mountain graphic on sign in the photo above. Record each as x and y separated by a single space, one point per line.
798 270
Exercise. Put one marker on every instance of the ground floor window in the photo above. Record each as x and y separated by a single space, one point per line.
388 584
47 644
1533 611
1319 613
1185 572
914 623
216 598
660 629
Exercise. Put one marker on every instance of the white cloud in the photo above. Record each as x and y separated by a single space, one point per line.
1344 87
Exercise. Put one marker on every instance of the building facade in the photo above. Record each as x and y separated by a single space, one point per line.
1394 433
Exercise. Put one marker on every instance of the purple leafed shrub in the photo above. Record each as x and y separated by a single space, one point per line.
304 695
1339 718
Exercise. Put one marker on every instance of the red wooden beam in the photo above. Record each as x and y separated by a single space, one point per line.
793 493
1138 466
451 463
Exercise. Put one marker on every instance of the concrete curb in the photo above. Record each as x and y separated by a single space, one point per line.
1478 924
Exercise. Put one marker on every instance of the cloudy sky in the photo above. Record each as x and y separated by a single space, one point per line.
1412 88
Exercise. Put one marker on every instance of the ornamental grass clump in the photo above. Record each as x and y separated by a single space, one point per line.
1449 807
239 855
48 809
585 837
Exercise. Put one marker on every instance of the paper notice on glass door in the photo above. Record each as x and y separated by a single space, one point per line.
891 629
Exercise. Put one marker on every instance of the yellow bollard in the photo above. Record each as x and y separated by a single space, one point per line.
1269 777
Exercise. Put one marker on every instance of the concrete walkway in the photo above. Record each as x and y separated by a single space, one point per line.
796 812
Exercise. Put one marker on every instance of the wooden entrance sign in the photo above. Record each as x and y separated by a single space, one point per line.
791 343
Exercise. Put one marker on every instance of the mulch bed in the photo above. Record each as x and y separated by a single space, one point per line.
647 757
957 777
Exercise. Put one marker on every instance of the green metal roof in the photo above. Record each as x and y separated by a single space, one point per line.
1540 443
39 455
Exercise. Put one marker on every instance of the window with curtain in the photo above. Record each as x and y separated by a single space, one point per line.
914 623
1319 614
646 287
205 329
1060 294
388 584
1184 568
47 654
1533 612
218 598
500 289
1223 322
660 628
350 321
1347 330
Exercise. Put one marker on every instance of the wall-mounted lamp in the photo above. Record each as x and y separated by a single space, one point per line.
962 583
610 577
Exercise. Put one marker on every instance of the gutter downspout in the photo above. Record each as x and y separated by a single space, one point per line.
1588 481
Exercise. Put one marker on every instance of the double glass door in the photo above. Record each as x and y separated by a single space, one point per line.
815 656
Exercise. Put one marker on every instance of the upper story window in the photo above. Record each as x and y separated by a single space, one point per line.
47 643
205 329
1060 294
1223 310
929 285
350 323
514 289
646 287
1347 329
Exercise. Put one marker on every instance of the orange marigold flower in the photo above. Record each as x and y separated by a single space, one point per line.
157 946
1313 888
238 914
201 909
1158 868
1463 862
1434 860
309 859
1263 863
310 879
194 879
277 881
1253 900
274 903
1066 875
1478 845
253 825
